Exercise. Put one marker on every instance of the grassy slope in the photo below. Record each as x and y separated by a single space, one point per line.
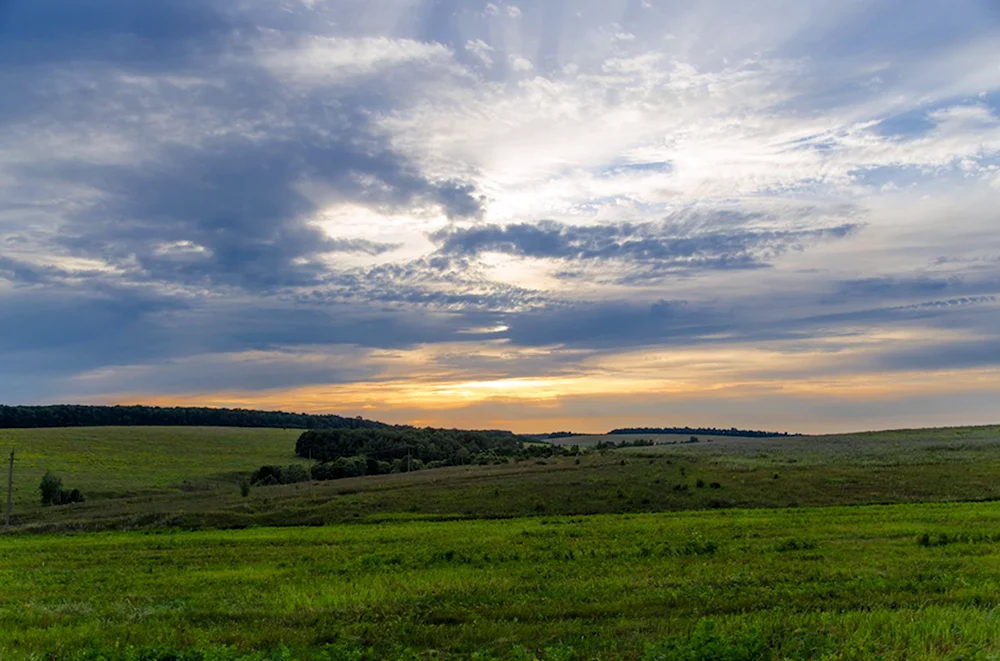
795 583
591 440
802 583
937 465
112 461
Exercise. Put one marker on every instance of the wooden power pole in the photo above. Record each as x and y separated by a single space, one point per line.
10 492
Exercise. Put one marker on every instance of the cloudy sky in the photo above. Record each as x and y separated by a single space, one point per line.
534 215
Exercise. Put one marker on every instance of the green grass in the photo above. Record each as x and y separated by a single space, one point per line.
176 477
885 448
622 554
106 462
962 445
825 583
591 440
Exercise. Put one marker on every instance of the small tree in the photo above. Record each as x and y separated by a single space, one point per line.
51 488
294 473
267 475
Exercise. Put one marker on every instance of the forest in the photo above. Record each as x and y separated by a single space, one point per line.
65 415
349 452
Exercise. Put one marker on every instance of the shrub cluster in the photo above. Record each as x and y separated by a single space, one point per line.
54 494
611 445
355 452
271 475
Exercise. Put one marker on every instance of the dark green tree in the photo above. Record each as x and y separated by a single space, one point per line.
51 488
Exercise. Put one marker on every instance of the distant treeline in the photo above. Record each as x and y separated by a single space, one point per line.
65 415
707 431
351 452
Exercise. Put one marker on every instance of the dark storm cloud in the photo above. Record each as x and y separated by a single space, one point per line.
665 246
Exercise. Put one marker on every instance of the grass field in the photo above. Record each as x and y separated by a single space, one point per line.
888 582
885 448
155 477
727 549
591 440
107 462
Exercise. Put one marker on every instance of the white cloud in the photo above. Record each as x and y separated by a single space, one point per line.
491 10
521 64
325 60
513 11
481 50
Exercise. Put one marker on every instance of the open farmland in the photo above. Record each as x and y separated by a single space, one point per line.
112 462
723 549
178 477
592 440
885 448
887 582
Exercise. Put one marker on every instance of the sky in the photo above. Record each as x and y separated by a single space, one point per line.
535 215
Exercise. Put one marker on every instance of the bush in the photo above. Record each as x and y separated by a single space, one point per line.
715 485
700 483
244 487
51 488
294 473
322 471
350 467
54 494
267 475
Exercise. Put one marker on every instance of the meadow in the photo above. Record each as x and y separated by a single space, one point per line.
188 478
841 547
113 462
887 582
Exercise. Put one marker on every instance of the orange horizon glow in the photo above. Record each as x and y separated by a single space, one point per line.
541 402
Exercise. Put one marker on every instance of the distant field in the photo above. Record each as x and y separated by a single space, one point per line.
887 448
897 582
113 461
169 477
590 441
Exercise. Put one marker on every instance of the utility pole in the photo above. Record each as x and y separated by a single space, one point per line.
10 492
